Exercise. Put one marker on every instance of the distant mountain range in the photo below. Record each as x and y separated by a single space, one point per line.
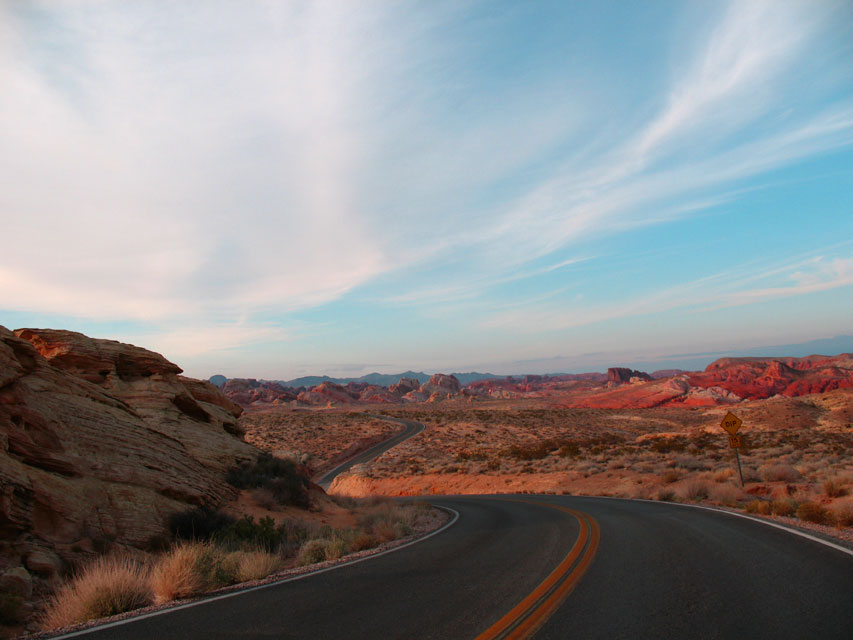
381 379
682 361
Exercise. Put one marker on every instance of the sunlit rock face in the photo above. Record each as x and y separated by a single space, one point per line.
101 441
441 383
756 378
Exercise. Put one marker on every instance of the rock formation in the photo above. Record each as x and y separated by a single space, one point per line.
404 386
622 375
441 383
755 378
246 392
328 392
99 443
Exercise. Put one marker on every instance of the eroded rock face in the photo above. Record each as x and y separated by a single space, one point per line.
442 384
621 375
101 441
328 392
758 378
404 386
246 392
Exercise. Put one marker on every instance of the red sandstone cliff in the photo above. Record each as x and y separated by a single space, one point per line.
99 443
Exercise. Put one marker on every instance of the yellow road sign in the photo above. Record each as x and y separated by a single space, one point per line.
731 423
735 442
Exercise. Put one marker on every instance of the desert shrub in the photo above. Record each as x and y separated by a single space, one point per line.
312 551
364 541
784 507
192 568
245 534
753 506
265 498
842 513
10 608
834 487
337 548
255 565
666 495
779 473
201 523
671 476
726 495
812 512
667 445
570 450
106 587
287 482
750 475
692 463
696 490
724 474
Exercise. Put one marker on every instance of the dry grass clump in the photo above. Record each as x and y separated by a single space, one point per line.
759 506
193 568
666 495
337 548
255 565
779 473
835 487
724 474
108 586
671 476
312 551
784 507
388 520
364 541
183 572
812 512
696 490
726 495
842 513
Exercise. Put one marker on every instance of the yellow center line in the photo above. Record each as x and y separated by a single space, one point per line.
531 613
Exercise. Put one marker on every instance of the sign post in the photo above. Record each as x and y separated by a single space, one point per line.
732 423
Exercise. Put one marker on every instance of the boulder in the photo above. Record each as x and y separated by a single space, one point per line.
18 581
43 562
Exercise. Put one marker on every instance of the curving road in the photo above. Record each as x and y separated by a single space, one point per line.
559 566
412 429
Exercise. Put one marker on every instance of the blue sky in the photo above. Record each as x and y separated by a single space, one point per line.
278 189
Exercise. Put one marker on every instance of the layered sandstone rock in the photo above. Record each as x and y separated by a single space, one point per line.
442 384
328 392
246 392
99 443
757 378
404 386
621 375
375 394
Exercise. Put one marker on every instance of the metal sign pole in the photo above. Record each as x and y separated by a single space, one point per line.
739 470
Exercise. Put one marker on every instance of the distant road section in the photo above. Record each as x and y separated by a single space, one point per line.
412 429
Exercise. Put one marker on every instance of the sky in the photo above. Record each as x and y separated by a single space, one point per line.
276 189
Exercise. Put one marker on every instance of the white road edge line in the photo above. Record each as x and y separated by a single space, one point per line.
240 592
776 525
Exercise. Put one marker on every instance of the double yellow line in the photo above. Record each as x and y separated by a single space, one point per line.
531 613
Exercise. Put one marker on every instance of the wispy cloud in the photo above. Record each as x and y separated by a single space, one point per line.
800 275
203 170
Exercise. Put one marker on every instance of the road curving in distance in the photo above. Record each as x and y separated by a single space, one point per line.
411 429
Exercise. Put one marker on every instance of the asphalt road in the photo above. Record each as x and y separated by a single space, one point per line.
660 571
412 429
